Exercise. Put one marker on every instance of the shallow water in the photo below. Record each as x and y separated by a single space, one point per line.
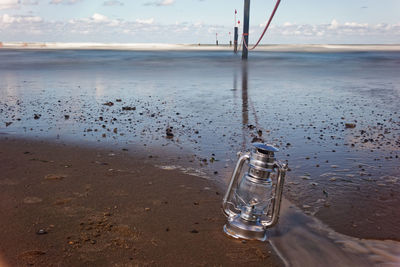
347 177
303 240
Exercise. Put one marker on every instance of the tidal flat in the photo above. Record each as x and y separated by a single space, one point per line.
334 116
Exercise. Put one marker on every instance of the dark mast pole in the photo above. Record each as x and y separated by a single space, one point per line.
235 43
246 22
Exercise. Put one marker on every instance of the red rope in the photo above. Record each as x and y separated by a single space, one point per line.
266 26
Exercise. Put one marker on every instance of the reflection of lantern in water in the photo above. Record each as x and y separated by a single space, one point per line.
252 203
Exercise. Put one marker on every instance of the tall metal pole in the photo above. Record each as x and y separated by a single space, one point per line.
246 23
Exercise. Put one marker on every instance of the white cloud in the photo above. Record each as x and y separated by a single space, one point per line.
9 19
96 18
30 2
113 3
64 2
160 3
100 28
337 32
167 2
145 21
5 4
99 18
15 4
334 25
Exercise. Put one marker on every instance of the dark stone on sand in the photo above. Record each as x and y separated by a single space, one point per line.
109 104
194 231
37 116
128 108
8 123
350 125
169 133
66 117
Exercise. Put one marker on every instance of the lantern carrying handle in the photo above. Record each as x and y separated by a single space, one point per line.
228 195
282 168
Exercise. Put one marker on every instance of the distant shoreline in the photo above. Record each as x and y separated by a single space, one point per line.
202 47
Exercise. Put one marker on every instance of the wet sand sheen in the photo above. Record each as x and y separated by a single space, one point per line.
76 207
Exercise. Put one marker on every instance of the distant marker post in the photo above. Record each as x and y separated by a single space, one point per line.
235 35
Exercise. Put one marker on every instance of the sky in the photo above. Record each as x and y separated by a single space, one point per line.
199 21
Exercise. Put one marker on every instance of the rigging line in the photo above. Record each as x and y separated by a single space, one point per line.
266 26
240 44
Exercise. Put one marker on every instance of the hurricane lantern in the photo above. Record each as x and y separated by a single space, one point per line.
252 204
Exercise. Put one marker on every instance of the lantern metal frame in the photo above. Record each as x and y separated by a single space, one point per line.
253 227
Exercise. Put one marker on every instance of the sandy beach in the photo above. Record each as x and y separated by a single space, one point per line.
322 48
64 205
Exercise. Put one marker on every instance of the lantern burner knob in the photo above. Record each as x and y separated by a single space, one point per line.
265 149
262 160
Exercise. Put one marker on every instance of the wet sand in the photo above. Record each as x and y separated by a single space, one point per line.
64 205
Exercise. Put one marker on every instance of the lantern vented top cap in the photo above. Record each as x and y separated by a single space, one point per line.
265 148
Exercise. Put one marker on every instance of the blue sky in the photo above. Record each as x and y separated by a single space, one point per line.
197 21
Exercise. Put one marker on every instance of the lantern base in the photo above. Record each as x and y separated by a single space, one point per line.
240 228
